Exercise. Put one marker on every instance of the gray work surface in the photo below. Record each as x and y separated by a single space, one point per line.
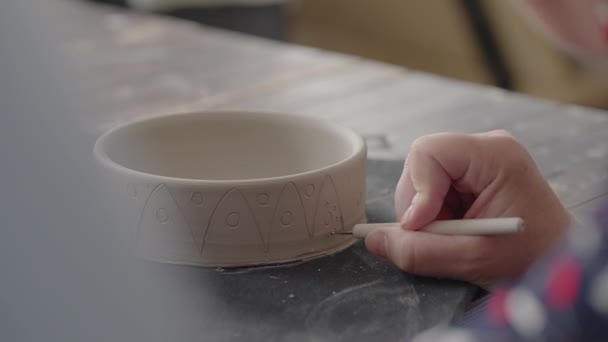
349 296
70 71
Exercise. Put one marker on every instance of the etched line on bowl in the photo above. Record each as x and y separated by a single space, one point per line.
328 218
304 208
288 222
141 214
310 190
328 179
211 218
255 222
275 213
232 221
181 213
161 214
219 204
338 206
313 200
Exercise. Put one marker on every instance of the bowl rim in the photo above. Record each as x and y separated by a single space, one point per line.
356 141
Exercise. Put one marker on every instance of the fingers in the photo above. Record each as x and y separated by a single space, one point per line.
404 192
435 163
470 176
425 253
430 183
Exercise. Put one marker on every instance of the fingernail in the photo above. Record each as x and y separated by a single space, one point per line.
411 211
377 243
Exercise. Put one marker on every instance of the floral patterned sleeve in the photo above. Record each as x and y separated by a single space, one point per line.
563 297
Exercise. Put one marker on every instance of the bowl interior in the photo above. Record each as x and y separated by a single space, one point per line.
228 146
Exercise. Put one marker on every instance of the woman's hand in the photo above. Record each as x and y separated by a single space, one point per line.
451 176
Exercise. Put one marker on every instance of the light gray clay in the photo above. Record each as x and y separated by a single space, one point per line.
228 189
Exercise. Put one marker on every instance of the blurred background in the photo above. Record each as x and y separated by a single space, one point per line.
482 41
65 277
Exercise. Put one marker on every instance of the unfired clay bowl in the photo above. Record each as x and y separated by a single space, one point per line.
228 189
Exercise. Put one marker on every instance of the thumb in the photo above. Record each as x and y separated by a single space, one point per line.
435 164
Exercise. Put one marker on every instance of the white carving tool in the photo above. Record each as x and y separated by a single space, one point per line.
491 226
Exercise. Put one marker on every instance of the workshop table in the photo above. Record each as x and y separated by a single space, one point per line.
141 65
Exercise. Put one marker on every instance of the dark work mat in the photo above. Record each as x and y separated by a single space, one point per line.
349 296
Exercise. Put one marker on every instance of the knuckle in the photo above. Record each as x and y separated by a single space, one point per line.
507 140
502 133
426 143
420 144
510 149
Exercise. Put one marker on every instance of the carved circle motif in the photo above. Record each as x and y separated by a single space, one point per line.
310 189
263 199
329 211
233 219
162 216
286 218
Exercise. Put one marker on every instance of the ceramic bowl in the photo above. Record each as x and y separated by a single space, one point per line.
227 189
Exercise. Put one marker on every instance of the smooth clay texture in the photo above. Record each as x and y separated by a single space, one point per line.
229 189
